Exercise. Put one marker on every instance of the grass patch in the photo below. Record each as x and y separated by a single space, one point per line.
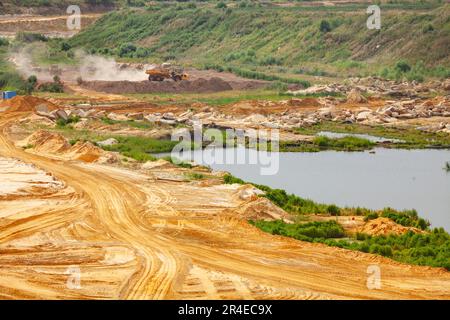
411 138
129 123
322 143
140 148
137 148
215 99
194 176
343 144
305 231
61 123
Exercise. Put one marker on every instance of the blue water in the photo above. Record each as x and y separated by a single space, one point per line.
401 179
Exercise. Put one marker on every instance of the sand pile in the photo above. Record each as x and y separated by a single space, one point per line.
257 207
26 103
85 151
158 164
197 86
384 226
46 142
55 144
35 119
262 209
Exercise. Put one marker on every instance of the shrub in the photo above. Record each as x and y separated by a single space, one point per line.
56 86
30 37
333 210
325 26
370 216
65 46
63 122
32 80
127 49
4 42
221 5
307 231
403 66
428 28
408 218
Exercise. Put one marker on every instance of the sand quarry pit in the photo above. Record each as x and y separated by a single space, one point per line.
130 235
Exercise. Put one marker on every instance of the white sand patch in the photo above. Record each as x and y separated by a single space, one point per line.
18 178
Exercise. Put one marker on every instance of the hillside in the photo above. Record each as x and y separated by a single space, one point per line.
46 7
278 40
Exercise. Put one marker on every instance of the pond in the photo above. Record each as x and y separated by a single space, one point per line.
401 179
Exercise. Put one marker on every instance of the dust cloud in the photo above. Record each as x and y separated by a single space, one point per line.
107 69
88 67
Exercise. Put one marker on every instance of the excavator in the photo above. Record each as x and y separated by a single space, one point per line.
166 71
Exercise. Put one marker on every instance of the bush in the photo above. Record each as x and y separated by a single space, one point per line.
127 49
325 26
428 28
221 5
408 218
403 66
4 42
370 216
333 210
30 37
307 231
63 122
65 46
56 86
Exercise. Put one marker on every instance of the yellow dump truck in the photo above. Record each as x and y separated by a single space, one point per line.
166 72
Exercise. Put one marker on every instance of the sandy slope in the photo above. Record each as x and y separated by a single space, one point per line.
135 237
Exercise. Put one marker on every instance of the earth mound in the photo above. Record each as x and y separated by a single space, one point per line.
46 142
384 226
26 104
196 86
55 144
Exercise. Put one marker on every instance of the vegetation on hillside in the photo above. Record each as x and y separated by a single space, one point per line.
299 206
430 249
278 41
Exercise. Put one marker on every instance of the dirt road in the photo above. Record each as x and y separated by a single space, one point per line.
131 236
50 26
